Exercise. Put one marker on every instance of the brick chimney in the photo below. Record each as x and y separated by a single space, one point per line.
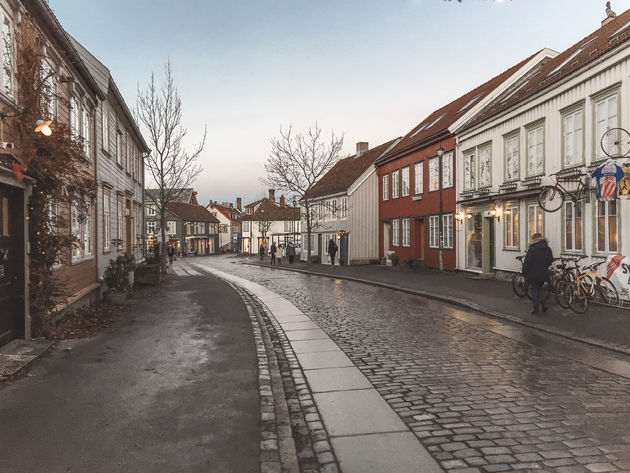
610 15
238 203
362 147
281 201
272 195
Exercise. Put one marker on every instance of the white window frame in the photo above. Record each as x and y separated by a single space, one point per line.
469 171
172 227
573 138
404 181
406 232
535 151
385 187
395 184
434 231
7 72
75 114
535 219
49 87
119 220
105 126
447 231
107 221
151 227
511 150
447 170
606 223
82 231
485 166
574 222
434 174
606 112
418 178
395 232
86 133
512 224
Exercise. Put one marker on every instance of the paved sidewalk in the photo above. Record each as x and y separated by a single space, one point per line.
601 326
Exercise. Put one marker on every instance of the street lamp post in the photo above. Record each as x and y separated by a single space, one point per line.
440 153
294 223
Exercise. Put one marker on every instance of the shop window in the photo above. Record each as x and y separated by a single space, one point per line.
573 226
606 226
511 219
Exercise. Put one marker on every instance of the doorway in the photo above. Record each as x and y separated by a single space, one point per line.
343 250
11 263
418 239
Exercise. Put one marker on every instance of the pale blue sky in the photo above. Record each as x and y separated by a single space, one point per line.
369 69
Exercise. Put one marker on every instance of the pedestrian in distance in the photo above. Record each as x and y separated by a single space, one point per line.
261 251
280 254
171 252
332 251
272 252
291 253
536 269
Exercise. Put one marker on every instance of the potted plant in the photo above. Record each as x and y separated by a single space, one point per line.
117 278
129 262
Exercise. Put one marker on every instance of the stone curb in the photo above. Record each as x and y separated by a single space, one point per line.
464 304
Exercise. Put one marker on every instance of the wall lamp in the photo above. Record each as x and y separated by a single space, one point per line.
43 127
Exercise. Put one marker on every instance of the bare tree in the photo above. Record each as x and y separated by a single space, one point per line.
170 166
295 164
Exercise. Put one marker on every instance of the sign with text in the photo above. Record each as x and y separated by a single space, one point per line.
618 271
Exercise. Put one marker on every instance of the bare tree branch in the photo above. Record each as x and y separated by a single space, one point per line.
296 162
171 167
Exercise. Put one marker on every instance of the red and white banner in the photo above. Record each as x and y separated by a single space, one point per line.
618 271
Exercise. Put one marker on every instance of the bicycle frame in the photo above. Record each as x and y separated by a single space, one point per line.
577 194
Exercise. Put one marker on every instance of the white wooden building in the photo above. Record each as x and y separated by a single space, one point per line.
345 203
552 121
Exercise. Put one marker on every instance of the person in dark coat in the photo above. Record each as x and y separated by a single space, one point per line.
272 252
261 251
536 269
332 251
291 253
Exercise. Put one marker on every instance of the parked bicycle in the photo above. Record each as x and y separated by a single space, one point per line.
589 286
551 198
519 283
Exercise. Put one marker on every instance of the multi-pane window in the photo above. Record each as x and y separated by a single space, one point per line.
534 219
405 182
469 171
342 211
535 151
105 126
85 133
245 225
447 170
573 226
395 183
572 134
6 79
81 226
405 232
119 222
151 226
418 178
395 232
49 88
485 167
434 231
151 211
119 149
385 187
447 231
172 227
107 221
512 158
606 117
511 218
434 174
75 126
607 226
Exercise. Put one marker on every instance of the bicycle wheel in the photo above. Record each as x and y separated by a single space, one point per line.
561 296
551 198
519 285
615 143
577 298
608 291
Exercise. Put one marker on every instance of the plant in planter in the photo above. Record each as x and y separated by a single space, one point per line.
129 262
117 278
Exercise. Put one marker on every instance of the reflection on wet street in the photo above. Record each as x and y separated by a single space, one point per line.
479 393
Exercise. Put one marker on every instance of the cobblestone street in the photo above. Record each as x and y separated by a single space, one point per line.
477 400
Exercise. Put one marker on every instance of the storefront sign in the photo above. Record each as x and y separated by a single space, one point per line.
618 271
624 184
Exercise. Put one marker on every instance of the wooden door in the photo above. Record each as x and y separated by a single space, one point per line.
11 263
418 239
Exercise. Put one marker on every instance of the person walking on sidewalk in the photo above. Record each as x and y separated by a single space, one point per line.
536 269
332 251
261 251
291 253
272 252
171 253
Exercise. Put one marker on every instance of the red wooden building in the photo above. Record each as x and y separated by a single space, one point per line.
410 189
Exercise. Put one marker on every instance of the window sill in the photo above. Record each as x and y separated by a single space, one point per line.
81 260
512 249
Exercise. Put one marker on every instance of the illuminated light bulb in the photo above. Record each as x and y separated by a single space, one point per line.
43 127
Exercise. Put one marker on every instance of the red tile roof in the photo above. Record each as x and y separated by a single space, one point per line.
194 213
268 210
613 35
438 122
347 170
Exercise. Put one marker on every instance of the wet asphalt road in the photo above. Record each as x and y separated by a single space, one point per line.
172 387
482 395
